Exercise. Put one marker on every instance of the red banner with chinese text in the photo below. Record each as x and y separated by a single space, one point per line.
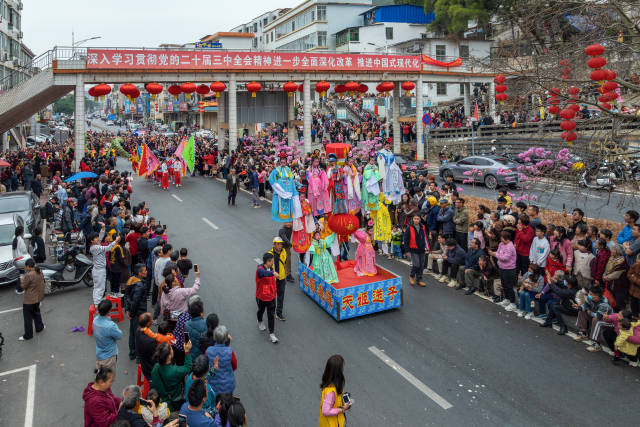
124 59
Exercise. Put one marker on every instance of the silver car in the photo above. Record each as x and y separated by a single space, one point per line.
490 170
24 203
9 267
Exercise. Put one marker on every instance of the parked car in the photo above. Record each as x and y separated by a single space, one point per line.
9 267
110 123
23 203
408 165
494 170
204 133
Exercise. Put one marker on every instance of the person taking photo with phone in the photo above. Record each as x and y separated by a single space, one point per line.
332 407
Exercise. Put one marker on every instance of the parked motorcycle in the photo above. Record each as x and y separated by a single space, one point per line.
72 269
601 178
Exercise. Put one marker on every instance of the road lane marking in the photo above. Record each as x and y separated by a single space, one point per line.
10 310
258 260
209 223
31 392
409 377
176 197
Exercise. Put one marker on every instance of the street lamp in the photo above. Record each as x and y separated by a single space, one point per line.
380 47
78 43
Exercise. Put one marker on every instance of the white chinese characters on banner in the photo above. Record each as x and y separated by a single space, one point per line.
155 59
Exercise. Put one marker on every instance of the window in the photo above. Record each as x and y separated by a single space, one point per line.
354 34
389 33
322 38
482 162
464 52
298 21
441 89
313 15
255 27
322 12
265 21
441 52
461 88
293 25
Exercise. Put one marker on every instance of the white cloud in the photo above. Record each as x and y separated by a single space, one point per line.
134 23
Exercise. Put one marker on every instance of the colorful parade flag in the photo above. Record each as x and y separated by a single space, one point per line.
476 116
180 148
142 163
188 154
152 161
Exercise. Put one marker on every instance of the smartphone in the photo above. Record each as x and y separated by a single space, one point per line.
145 403
182 420
195 268
186 337
346 398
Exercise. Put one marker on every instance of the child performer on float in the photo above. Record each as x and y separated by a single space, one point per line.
365 254
303 227
322 263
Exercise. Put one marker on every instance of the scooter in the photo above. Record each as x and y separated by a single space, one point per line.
598 179
72 269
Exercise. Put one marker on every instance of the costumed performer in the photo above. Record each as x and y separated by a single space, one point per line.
392 184
382 224
164 170
322 263
284 192
303 227
177 171
336 186
352 185
365 254
318 188
370 186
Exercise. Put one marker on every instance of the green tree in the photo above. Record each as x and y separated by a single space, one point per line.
64 105
452 16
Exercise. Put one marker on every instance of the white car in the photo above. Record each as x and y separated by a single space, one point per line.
204 133
110 123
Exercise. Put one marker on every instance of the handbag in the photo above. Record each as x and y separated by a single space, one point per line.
175 402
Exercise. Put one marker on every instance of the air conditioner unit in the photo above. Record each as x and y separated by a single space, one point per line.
16 62
19 5
20 35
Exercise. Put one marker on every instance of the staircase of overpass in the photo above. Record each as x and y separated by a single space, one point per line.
21 99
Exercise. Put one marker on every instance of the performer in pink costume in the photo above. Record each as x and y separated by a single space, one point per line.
318 190
365 254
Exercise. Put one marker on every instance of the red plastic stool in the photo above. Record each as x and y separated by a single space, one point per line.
92 313
116 310
142 381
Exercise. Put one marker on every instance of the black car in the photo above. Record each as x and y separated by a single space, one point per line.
408 165
24 203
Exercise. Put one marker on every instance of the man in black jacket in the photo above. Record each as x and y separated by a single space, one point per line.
415 242
145 345
136 301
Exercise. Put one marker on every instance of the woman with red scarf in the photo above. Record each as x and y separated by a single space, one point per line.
416 243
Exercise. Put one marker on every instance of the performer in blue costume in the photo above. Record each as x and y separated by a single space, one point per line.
391 175
284 192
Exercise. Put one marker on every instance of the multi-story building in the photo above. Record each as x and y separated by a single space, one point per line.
257 25
229 41
15 60
309 25
382 26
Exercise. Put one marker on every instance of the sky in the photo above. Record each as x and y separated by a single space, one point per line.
134 23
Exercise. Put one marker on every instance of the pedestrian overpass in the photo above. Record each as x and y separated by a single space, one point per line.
62 69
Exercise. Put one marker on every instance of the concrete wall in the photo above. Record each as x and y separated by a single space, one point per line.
376 34
239 43
341 16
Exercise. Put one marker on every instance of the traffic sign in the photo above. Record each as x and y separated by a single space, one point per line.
426 119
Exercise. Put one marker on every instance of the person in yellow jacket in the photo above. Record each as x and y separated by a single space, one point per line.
332 408
279 260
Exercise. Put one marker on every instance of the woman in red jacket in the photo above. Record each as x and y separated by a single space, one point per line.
599 263
524 237
100 405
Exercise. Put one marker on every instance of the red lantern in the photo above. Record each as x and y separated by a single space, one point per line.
574 107
174 90
572 90
571 136
501 88
605 106
102 89
92 92
554 109
339 89
608 97
127 89
290 88
610 75
567 114
568 125
301 88
501 97
563 135
254 87
597 62
322 87
564 62
554 91
344 224
408 87
554 100
594 50
362 88
153 89
217 87
499 79
385 87
188 88
610 86
598 75
352 87
203 89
